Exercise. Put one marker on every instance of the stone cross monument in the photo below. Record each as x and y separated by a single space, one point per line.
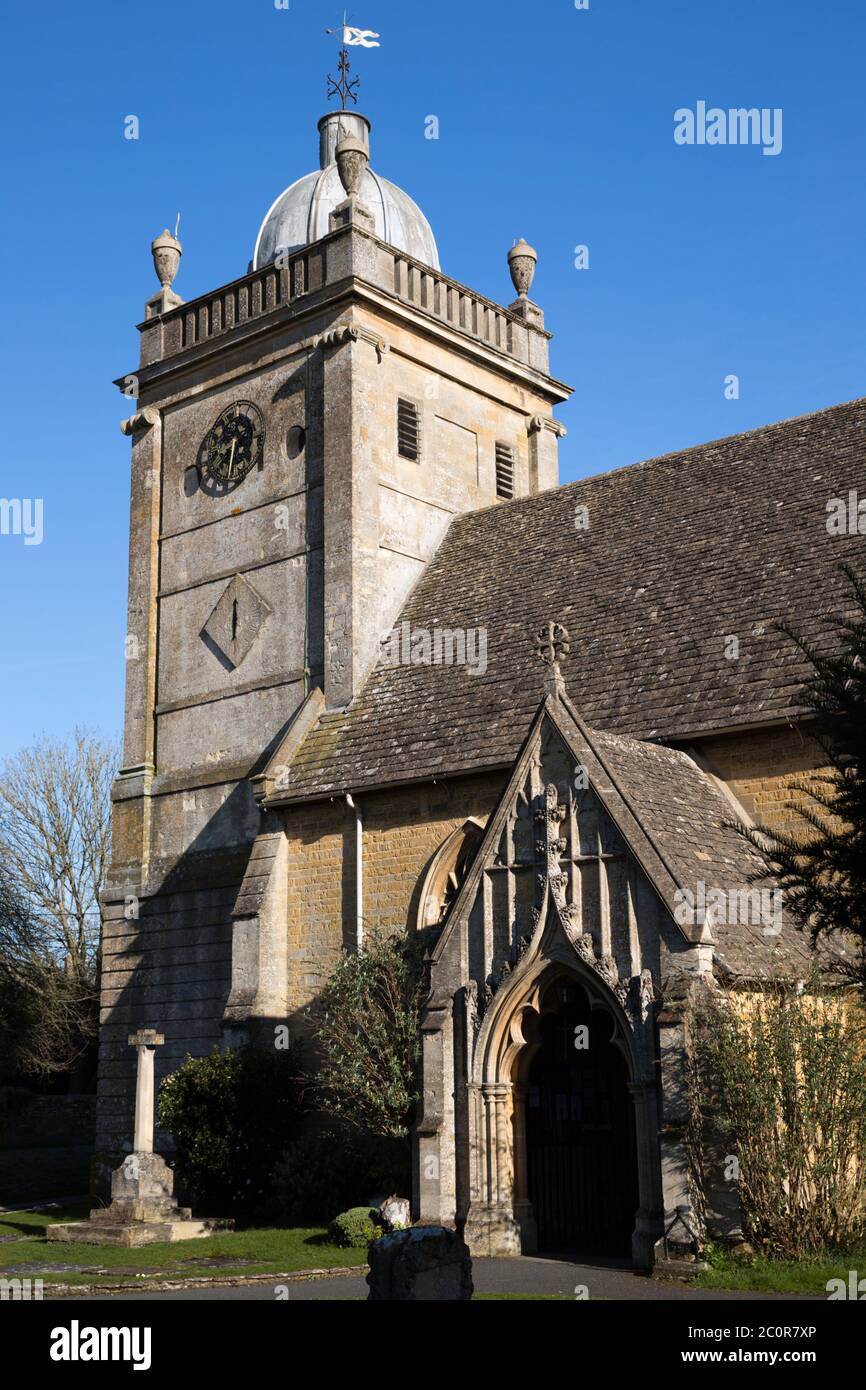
142 1208
145 1040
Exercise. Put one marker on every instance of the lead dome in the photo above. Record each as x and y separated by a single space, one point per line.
300 215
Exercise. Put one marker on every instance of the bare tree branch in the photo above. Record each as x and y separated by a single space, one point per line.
54 848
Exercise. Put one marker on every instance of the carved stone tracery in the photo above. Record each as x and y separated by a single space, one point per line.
556 894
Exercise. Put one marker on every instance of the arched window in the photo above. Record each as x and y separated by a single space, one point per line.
446 872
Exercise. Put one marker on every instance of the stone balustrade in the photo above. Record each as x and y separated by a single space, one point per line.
464 309
253 296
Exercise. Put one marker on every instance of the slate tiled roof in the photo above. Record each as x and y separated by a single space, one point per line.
681 552
690 826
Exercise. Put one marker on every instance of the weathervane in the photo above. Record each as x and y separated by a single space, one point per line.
345 86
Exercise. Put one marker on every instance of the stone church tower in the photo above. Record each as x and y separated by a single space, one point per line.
303 436
345 445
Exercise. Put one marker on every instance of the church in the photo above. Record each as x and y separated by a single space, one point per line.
385 674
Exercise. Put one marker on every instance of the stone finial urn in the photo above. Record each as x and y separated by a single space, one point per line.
166 251
352 159
522 259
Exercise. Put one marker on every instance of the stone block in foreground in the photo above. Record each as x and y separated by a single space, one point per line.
423 1263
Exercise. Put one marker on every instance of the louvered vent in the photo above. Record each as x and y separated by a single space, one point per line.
504 471
408 430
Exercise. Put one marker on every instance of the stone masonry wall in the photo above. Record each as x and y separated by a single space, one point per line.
761 770
169 967
402 831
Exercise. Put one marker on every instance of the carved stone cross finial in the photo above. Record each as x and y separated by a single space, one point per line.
146 1037
552 643
145 1040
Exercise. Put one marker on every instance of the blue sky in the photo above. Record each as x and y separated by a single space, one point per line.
555 124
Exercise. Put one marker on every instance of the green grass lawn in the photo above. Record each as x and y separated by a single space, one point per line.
35 1175
251 1250
777 1276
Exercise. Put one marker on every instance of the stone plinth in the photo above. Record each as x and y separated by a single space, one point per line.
136 1233
142 1189
424 1263
142 1210
352 213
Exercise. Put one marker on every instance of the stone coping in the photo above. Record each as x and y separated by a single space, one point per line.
299 1276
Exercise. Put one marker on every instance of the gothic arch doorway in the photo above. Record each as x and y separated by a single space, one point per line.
581 1177
562 1138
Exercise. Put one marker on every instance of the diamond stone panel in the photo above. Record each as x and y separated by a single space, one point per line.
237 619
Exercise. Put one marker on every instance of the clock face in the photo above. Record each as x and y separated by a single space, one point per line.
235 442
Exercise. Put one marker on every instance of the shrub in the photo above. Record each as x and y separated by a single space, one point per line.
783 1075
367 1025
231 1114
336 1167
355 1229
819 862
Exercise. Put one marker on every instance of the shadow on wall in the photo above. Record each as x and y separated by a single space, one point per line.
166 964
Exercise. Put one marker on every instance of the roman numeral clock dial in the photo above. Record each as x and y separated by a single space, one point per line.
234 443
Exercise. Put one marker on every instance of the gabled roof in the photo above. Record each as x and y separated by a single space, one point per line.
676 824
691 826
681 553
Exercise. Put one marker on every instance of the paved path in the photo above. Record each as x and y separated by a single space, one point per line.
527 1275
